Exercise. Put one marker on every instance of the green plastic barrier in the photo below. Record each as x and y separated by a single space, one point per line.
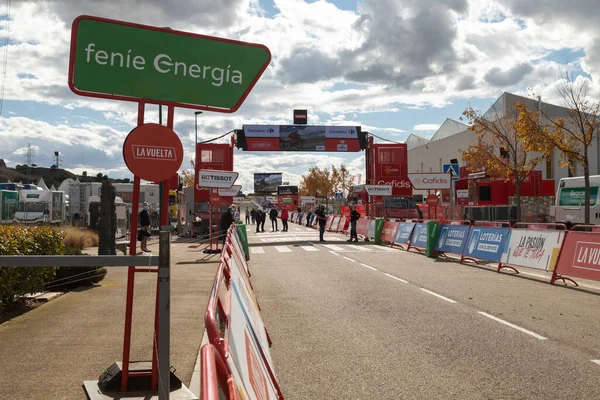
378 228
433 229
241 228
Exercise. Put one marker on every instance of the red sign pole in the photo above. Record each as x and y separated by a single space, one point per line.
131 271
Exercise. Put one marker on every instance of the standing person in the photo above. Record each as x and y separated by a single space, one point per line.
322 217
260 220
273 216
247 216
226 221
284 218
308 218
253 214
145 224
354 216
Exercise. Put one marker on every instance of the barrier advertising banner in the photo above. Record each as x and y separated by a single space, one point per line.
486 243
452 238
388 233
362 226
335 223
580 256
533 248
404 232
371 230
419 236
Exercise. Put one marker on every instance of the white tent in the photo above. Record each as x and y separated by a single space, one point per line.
42 184
52 188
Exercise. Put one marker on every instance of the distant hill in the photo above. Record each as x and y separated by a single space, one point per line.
52 176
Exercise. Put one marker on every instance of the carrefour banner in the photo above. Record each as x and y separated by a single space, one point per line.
533 248
452 238
419 236
486 243
403 233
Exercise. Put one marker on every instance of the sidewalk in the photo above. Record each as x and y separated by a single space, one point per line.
48 352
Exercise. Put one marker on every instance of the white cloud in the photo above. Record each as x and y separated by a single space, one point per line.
427 127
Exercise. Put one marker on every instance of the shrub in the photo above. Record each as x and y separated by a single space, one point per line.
80 238
20 240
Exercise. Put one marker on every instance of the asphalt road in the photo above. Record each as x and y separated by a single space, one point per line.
369 322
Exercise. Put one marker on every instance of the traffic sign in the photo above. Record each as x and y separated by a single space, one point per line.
339 195
432 200
124 61
233 191
430 181
453 169
207 178
153 152
214 199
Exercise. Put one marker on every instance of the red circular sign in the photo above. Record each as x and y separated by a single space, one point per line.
153 152
432 200
214 199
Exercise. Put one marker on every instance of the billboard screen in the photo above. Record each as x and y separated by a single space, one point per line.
267 182
287 190
300 138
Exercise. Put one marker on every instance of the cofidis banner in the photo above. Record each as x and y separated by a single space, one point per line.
486 243
533 248
404 232
419 236
452 238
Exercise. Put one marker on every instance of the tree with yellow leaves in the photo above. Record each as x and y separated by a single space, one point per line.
572 134
318 182
189 175
499 148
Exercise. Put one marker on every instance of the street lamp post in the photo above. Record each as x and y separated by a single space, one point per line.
196 125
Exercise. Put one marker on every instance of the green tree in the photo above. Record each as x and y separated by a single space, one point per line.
572 134
317 182
342 179
499 148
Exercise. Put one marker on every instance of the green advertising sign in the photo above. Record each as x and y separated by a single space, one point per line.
576 196
124 61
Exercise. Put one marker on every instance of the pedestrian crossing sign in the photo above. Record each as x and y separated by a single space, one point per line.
454 170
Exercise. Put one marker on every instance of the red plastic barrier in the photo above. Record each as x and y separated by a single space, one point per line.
334 224
329 222
388 233
362 227
215 377
579 256
342 226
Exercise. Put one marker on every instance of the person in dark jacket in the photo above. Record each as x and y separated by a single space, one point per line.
273 217
354 216
145 224
253 215
260 220
308 218
322 217
226 221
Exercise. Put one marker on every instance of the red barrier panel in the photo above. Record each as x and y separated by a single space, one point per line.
362 227
579 256
232 320
334 224
388 233
329 222
215 377
342 226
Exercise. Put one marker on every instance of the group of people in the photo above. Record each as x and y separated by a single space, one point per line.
259 217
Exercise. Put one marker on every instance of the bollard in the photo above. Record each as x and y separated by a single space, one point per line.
164 312
241 229
432 236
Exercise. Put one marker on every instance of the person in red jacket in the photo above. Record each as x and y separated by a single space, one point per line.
284 218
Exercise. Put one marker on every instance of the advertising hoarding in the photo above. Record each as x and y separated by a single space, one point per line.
267 182
300 138
287 190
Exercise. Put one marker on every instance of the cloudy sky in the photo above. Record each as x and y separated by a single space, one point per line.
395 67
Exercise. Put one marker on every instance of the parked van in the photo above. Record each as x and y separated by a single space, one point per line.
569 207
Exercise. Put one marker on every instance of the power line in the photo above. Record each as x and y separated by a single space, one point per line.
387 140
6 39
217 138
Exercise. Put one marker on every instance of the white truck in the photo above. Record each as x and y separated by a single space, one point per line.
40 206
570 199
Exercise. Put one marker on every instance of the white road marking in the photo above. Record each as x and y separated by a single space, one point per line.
310 248
257 250
334 253
333 247
438 295
535 335
396 278
349 259
376 247
283 249
596 361
367 266
357 247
